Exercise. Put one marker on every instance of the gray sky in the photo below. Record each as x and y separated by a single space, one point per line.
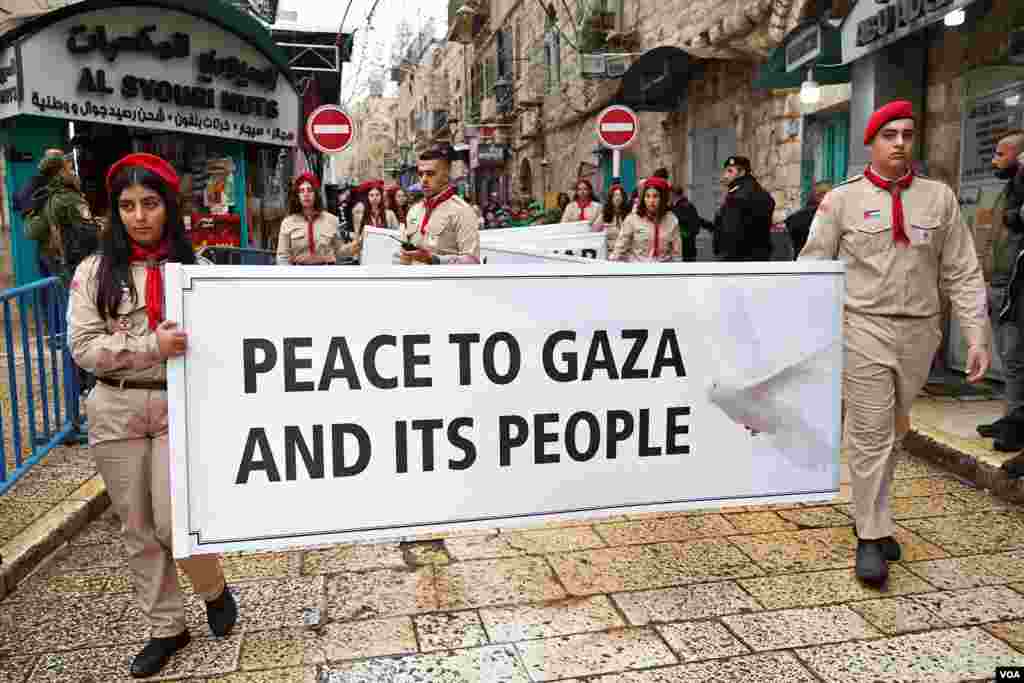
373 41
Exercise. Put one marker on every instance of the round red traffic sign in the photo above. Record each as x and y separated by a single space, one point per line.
330 129
617 127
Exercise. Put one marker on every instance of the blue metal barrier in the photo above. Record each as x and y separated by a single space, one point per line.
39 408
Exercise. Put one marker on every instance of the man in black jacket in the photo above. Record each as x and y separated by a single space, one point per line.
745 226
799 224
1008 165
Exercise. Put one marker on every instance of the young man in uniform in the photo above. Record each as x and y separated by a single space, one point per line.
443 227
904 245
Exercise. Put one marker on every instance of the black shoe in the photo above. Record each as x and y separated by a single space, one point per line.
222 613
1014 467
157 653
990 431
872 567
1010 435
890 546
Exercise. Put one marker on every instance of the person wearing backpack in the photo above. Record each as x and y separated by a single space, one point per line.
59 218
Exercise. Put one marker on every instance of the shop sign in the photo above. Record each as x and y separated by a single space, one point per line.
873 24
489 153
11 93
986 121
157 68
804 47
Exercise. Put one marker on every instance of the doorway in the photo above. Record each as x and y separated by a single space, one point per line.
709 148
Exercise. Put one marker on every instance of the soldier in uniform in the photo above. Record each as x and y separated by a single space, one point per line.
117 330
443 227
904 245
651 234
584 208
745 225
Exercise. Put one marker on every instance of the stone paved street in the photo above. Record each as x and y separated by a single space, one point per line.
740 594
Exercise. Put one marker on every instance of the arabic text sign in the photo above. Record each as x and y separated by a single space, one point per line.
523 395
158 68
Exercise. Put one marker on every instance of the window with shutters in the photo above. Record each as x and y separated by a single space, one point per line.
552 57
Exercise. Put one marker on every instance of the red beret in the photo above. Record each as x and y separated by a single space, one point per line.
306 178
151 163
656 182
894 111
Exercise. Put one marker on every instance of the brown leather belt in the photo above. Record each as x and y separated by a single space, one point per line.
130 384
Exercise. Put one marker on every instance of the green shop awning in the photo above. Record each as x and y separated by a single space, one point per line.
772 75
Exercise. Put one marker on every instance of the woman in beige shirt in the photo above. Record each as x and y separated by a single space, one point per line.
309 234
612 216
584 208
373 212
651 235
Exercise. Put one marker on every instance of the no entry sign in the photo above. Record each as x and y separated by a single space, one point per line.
617 127
330 129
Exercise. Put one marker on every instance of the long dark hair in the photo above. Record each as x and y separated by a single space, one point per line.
295 206
115 251
610 214
662 204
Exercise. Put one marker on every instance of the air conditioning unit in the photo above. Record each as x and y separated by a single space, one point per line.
618 65
593 66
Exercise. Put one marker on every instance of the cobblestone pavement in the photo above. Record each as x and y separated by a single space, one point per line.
737 594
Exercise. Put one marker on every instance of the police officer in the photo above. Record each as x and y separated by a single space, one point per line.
117 330
444 228
904 245
745 225
1008 165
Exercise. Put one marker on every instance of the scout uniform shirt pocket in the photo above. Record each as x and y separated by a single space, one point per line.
870 233
925 231
131 315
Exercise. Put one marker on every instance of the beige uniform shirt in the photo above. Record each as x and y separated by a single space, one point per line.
611 232
638 237
854 223
454 230
294 238
591 214
360 219
118 348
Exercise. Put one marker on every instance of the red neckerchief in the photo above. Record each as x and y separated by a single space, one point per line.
657 237
311 234
894 188
432 203
153 256
583 208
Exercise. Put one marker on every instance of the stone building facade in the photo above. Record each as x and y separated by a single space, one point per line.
375 138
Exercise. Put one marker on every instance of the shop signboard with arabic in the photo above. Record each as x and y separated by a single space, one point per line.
157 68
872 25
986 120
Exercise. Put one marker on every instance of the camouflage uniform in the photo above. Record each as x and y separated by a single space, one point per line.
453 234
640 240
128 439
892 318
68 211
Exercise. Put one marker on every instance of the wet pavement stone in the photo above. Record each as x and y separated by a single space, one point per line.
756 593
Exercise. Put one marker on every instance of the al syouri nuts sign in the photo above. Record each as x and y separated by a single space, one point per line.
873 24
151 67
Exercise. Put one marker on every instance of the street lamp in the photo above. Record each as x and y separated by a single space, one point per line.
810 91
955 18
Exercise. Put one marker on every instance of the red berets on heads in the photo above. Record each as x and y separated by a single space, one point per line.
151 163
656 182
894 111
307 178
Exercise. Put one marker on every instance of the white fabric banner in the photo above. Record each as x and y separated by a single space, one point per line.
467 397
379 244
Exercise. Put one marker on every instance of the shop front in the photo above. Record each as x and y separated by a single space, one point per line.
487 164
961 62
197 83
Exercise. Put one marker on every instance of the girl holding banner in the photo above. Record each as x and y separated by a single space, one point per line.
117 331
613 215
652 233
309 234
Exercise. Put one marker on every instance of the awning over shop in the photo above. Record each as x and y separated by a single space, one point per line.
828 70
657 81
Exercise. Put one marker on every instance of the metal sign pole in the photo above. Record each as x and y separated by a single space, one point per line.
616 163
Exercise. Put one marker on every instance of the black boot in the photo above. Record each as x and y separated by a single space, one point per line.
1010 437
872 567
890 546
222 613
991 431
157 653
1014 467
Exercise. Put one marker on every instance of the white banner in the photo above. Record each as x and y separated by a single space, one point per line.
454 397
531 232
379 244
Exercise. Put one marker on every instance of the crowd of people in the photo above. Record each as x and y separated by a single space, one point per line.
900 234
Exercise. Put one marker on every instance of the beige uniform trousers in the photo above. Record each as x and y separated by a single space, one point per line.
136 470
886 364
